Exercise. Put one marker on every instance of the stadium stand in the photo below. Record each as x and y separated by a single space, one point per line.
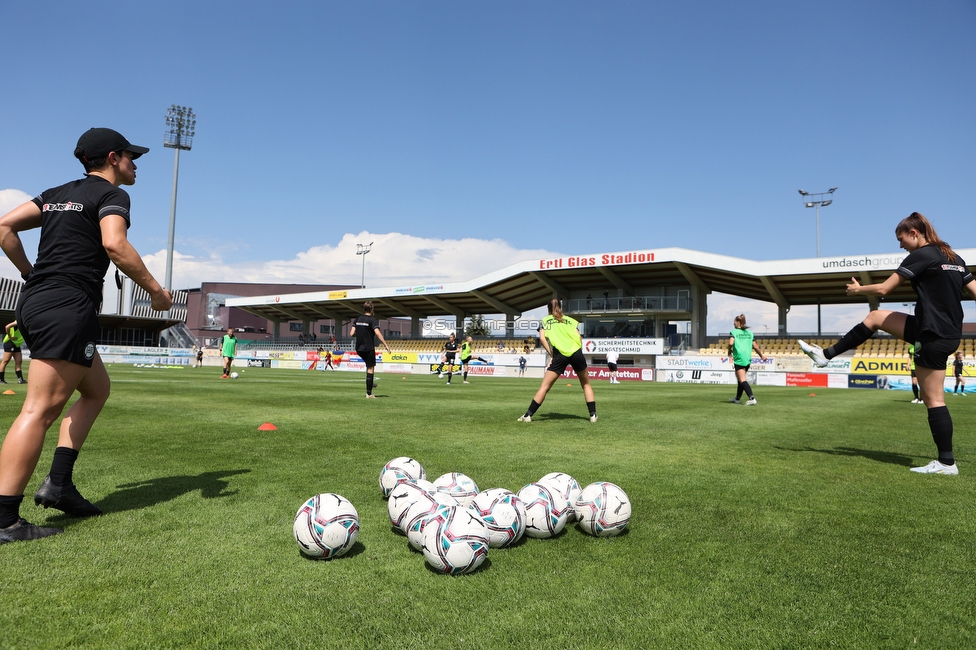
883 347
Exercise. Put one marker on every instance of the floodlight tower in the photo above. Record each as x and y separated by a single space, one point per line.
816 200
363 249
181 123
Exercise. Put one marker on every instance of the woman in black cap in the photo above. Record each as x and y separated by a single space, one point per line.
83 226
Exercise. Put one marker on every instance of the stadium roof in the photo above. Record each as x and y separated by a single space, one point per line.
530 284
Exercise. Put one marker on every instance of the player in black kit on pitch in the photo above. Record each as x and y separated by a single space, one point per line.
939 277
450 352
83 226
364 328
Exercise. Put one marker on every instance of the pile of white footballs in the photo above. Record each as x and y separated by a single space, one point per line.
454 524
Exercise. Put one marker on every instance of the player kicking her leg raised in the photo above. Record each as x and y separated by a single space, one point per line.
939 276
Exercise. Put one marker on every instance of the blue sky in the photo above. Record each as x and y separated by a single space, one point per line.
494 132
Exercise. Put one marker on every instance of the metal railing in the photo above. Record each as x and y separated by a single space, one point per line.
178 336
629 304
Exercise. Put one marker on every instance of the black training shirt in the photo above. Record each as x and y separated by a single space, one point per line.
938 283
364 332
71 238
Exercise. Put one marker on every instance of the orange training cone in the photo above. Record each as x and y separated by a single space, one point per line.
9 392
267 426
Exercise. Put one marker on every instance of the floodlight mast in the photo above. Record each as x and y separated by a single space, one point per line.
363 249
181 123
816 200
820 201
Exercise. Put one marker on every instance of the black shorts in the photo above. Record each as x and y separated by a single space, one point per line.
368 357
931 351
10 346
449 357
59 322
559 362
612 367
736 366
464 361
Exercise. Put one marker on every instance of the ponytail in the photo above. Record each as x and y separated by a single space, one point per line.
916 221
556 309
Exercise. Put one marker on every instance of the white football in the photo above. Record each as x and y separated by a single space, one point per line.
326 526
455 540
403 496
504 515
420 512
565 485
603 509
546 510
234 375
398 470
457 485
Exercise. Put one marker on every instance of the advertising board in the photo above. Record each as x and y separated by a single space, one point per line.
697 376
646 347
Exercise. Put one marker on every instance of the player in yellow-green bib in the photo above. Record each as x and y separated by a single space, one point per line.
561 339
466 353
741 345
12 340
911 369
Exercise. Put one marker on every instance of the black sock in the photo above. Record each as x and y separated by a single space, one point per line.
748 389
20 374
915 390
858 335
591 407
450 373
533 407
940 422
2 372
738 390
63 465
465 377
10 510
369 383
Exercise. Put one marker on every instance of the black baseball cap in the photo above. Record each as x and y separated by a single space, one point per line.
100 142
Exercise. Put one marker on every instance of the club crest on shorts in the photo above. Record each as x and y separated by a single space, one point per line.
89 350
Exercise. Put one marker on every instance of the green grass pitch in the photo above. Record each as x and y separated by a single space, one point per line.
795 523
